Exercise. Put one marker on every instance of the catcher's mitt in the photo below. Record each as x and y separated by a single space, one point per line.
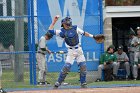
99 38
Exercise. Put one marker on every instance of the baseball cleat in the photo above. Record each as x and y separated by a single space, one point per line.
84 85
55 87
41 83
57 84
2 91
135 79
98 80
46 82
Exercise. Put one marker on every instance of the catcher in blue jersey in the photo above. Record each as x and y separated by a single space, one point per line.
70 34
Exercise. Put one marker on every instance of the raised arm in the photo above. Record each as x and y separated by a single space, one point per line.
53 22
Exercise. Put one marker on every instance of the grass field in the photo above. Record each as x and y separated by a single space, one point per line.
72 78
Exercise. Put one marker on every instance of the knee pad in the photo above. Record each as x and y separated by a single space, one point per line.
64 72
83 69
66 68
82 66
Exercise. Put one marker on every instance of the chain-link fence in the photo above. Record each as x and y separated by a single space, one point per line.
13 56
20 28
15 43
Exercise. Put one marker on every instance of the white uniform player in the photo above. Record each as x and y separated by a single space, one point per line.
71 35
1 90
122 61
136 43
41 58
131 48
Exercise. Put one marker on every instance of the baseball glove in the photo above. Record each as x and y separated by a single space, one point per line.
99 38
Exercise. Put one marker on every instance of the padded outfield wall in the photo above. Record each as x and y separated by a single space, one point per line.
87 14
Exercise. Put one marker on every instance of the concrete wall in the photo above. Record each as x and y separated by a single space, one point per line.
108 32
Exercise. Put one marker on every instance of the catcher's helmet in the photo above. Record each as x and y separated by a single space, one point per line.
67 21
49 35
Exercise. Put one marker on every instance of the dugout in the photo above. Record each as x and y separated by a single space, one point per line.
120 30
117 23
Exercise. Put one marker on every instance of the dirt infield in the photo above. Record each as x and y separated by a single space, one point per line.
88 90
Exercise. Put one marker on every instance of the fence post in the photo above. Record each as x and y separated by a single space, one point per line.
29 42
101 21
33 42
19 40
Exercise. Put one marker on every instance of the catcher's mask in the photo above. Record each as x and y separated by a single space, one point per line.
49 35
67 21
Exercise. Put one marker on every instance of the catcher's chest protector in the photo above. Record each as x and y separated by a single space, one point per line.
71 36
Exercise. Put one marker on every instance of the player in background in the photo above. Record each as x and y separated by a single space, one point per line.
107 58
1 90
70 34
122 60
131 50
136 43
41 58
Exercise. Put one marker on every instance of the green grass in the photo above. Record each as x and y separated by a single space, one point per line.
72 78
8 79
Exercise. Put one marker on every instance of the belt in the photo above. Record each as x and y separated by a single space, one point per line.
41 53
73 47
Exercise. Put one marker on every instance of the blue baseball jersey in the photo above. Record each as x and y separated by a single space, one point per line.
74 32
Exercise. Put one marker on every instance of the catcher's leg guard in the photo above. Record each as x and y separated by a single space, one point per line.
82 66
64 72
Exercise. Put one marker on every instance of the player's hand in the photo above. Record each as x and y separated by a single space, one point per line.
126 60
49 51
137 43
118 61
55 19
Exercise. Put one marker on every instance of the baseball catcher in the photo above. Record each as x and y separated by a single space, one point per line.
70 33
